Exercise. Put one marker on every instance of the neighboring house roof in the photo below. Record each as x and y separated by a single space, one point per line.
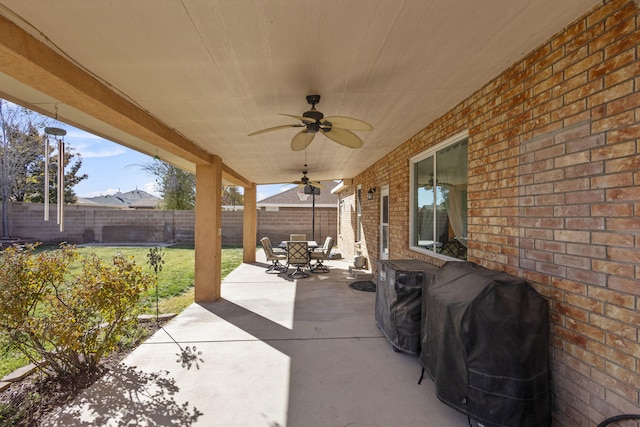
136 199
292 198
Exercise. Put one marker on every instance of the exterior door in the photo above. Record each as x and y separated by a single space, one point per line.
384 222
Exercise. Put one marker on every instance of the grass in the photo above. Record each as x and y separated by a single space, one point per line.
175 282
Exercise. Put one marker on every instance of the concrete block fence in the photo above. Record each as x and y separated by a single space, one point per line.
103 225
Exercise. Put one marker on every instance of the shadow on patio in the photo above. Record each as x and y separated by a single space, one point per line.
272 352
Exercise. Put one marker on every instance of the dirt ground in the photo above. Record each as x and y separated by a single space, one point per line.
26 402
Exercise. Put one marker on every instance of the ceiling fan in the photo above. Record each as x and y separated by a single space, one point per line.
336 128
431 182
304 181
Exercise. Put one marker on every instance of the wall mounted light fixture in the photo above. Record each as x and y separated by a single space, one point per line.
370 193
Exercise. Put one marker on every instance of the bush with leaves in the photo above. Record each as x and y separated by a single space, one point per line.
66 309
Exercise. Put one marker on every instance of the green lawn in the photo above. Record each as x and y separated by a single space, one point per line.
175 282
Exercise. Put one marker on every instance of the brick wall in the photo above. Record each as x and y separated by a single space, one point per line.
88 224
554 197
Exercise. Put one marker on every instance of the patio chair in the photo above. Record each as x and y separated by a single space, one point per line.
276 267
298 256
298 237
322 254
276 250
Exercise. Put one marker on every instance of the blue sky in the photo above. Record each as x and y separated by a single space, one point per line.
112 167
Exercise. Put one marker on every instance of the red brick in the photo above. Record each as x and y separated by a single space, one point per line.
627 285
612 297
572 261
614 268
564 211
586 250
630 163
612 326
613 239
623 119
623 134
624 254
610 353
589 277
585 169
611 64
591 196
623 194
597 97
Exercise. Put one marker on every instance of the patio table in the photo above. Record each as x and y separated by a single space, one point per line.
311 243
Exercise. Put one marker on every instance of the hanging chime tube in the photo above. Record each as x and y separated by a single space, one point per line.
60 205
46 179
61 184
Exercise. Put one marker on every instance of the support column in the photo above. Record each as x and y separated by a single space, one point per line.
249 225
208 231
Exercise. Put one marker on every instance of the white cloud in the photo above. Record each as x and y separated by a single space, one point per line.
109 191
112 152
88 151
150 187
92 146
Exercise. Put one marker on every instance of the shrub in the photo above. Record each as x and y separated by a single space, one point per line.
65 309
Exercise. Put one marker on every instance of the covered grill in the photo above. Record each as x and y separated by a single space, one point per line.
399 301
485 344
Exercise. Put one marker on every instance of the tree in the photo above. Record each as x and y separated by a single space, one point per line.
32 189
176 186
231 196
70 320
19 144
22 161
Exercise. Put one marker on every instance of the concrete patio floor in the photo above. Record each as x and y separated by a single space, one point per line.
272 352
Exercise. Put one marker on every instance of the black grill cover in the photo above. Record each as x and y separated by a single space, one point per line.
399 301
485 343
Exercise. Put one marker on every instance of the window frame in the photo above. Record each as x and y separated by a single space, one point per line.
431 151
358 234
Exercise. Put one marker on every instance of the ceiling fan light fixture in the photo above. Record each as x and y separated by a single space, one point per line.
314 115
313 121
313 127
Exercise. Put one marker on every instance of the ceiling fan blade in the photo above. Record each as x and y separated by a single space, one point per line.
304 119
316 184
343 137
347 123
258 132
301 140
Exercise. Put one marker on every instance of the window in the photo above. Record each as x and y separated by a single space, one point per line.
438 217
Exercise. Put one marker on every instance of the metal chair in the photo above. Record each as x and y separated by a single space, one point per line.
276 267
617 418
322 254
298 256
276 250
298 237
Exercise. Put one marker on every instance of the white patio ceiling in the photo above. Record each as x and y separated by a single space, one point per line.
214 71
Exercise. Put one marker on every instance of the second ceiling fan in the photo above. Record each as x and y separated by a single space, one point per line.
336 128
304 181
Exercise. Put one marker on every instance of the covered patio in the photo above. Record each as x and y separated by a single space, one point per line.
272 352
543 95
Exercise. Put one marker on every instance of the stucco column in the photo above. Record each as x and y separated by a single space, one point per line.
249 225
208 231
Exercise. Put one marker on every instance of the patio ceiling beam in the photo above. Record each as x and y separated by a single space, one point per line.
235 178
34 64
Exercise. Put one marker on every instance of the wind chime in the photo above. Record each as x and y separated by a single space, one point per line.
58 135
